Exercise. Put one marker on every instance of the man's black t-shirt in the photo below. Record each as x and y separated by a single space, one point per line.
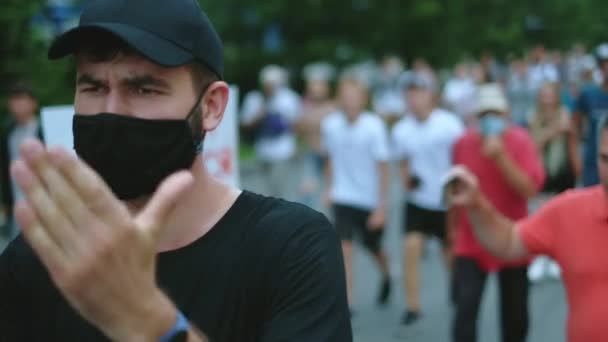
269 270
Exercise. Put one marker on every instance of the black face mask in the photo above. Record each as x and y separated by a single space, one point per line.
133 155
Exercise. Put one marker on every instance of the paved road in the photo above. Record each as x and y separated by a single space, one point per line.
372 324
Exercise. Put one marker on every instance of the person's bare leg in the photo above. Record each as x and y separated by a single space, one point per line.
414 243
347 251
381 260
385 285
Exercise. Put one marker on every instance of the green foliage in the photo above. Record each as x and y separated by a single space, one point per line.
340 31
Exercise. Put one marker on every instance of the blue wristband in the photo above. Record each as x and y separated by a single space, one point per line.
180 328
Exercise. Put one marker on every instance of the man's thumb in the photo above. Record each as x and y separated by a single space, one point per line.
156 212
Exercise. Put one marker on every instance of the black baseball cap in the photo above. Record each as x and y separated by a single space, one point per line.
170 33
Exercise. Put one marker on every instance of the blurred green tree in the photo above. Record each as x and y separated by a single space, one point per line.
293 33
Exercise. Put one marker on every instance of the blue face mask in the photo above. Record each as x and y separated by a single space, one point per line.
492 125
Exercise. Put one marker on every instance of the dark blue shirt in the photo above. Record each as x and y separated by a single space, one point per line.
592 105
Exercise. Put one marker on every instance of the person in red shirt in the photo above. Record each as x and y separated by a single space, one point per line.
504 159
572 229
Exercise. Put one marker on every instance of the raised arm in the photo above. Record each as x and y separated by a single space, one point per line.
495 232
100 257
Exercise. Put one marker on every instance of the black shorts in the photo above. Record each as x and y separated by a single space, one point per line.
350 221
425 221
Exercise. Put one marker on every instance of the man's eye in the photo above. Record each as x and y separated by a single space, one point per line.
146 91
92 90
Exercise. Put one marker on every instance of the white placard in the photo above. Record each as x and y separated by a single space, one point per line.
57 126
221 147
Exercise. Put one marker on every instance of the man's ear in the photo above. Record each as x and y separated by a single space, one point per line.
213 105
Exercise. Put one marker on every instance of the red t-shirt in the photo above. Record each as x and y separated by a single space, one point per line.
468 152
573 230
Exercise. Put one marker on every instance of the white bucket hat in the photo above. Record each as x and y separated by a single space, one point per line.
491 97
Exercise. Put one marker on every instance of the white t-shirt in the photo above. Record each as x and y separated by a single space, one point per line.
427 146
542 73
16 137
355 149
284 102
460 94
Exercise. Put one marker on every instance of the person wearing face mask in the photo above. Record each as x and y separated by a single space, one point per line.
132 239
504 158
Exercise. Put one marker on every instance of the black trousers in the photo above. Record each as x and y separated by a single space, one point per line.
469 282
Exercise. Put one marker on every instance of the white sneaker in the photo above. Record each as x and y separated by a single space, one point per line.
536 271
554 271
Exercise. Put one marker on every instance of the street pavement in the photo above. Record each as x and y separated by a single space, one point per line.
373 324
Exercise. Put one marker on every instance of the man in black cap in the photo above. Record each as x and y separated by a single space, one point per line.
113 253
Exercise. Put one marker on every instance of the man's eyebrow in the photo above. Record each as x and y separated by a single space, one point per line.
86 79
146 80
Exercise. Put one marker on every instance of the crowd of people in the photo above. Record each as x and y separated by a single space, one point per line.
527 129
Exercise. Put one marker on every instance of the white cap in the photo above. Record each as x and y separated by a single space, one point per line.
491 97
273 74
588 63
319 72
601 52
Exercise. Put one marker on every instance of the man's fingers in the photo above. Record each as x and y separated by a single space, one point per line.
462 174
59 188
43 244
50 217
90 187
154 215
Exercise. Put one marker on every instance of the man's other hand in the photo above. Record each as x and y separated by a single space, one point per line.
463 188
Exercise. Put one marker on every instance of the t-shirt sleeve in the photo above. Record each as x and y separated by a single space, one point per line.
529 159
308 303
380 149
399 148
324 138
291 106
455 131
459 129
538 231
13 303
252 105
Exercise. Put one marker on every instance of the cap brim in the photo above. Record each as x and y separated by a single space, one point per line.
154 48
482 110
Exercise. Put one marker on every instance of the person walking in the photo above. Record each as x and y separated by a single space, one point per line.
572 228
357 178
504 158
423 143
551 128
132 238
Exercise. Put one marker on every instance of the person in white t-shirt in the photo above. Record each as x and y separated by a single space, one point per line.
541 70
423 142
271 115
356 143
459 92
